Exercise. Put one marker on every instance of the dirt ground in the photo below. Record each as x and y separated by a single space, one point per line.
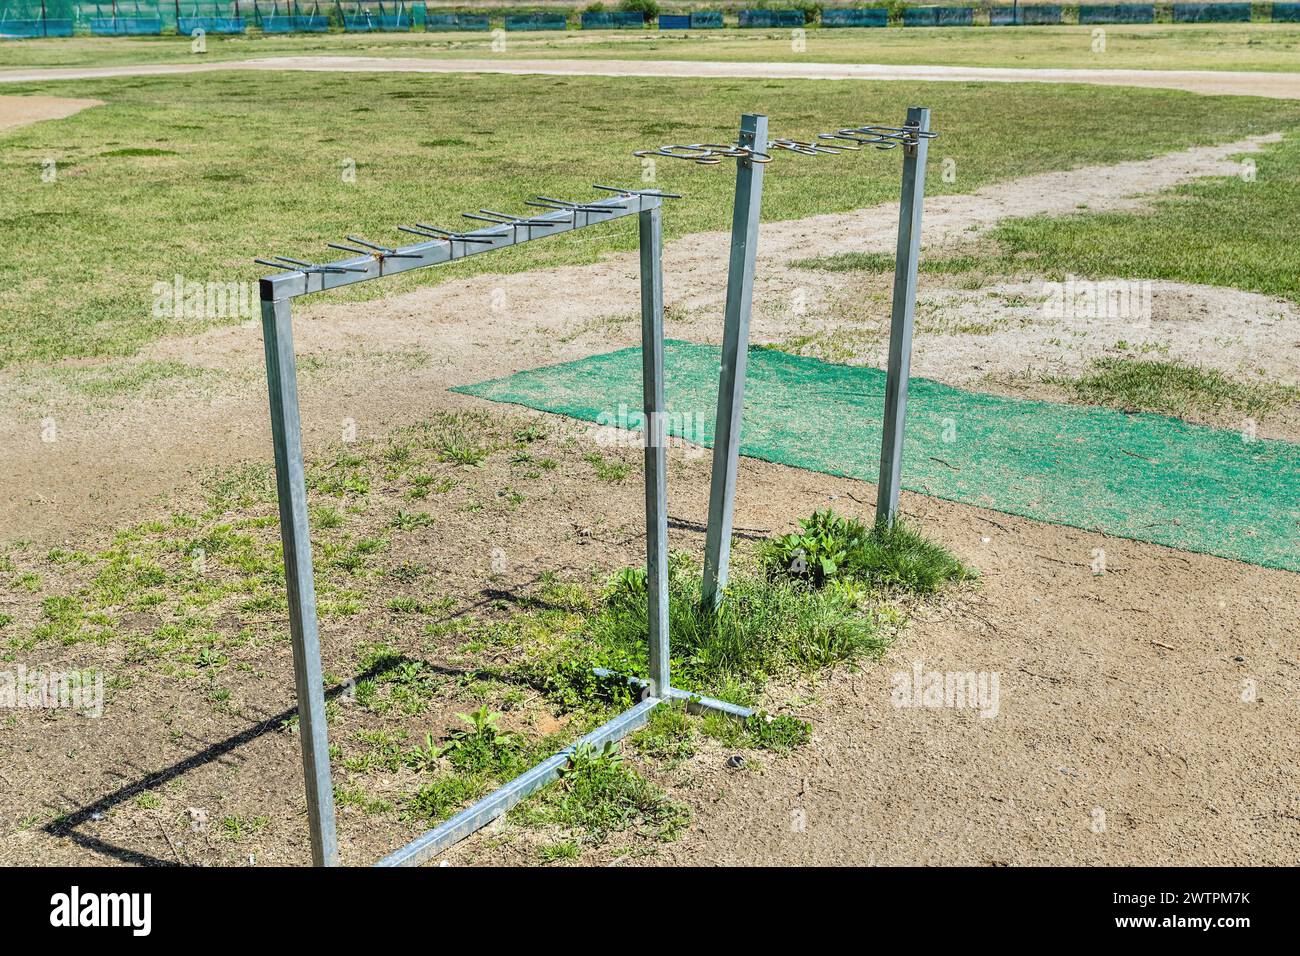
18 111
1122 731
1125 731
376 365
1208 82
1121 738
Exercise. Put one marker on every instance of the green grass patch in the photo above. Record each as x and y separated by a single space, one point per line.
1173 388
598 795
1223 231
884 262
834 549
295 197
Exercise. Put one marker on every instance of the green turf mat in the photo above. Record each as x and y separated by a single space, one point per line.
1146 477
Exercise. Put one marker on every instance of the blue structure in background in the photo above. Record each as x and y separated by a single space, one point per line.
449 22
1286 13
1211 13
214 21
394 18
1035 16
536 21
1090 13
868 17
113 20
771 18
938 16
31 27
617 20
291 19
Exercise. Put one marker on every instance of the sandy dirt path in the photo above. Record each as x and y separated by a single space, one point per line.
378 364
1273 85
16 111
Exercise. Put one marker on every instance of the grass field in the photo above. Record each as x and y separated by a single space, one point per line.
1233 46
1231 231
252 164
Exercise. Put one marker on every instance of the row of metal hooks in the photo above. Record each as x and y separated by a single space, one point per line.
826 144
504 222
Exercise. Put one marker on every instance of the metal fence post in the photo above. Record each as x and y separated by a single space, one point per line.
655 438
291 488
900 325
735 355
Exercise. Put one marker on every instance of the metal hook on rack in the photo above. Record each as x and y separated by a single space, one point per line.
378 252
701 155
806 148
433 232
500 218
297 265
546 202
636 192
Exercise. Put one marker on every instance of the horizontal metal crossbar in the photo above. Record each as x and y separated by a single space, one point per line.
375 261
694 702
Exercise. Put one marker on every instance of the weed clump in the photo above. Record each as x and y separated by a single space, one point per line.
599 795
831 548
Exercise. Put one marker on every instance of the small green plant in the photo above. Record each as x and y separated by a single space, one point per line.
816 552
607 469
236 827
833 548
484 748
600 795
626 586
423 758
442 796
560 850
669 735
409 521
781 732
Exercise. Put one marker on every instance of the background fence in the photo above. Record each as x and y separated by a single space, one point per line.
938 16
771 18
1211 13
1032 16
62 18
1117 13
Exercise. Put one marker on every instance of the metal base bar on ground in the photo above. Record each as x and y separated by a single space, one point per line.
696 703
426 847
735 354
901 318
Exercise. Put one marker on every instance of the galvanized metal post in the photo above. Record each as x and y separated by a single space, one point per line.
291 487
735 355
900 326
655 437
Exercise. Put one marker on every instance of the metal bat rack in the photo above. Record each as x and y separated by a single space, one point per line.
373 261
913 136
369 260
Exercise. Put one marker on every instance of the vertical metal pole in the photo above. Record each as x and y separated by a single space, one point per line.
735 356
900 325
656 464
291 487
